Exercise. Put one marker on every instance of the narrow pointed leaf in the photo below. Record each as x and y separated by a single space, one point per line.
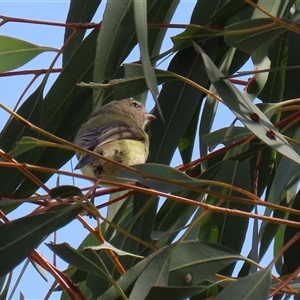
65 191
245 111
115 41
86 260
14 53
133 83
131 276
28 232
79 12
254 286
140 18
260 32
174 292
161 171
108 246
156 273
200 259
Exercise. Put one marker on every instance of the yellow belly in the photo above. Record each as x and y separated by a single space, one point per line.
126 152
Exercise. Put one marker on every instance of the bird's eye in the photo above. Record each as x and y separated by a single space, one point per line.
135 104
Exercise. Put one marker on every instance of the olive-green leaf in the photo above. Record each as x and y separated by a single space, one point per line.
200 259
79 12
254 286
247 112
156 273
131 275
140 18
250 35
14 53
65 191
86 260
180 181
21 236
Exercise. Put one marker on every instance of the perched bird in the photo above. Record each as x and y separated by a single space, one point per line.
115 131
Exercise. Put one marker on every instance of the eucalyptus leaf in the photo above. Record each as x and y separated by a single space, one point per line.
254 286
14 53
247 112
28 232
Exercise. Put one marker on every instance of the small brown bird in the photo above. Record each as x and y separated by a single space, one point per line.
115 131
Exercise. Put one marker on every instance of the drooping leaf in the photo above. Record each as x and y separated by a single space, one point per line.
254 286
174 292
178 102
202 260
131 276
291 259
252 34
61 103
108 246
226 136
65 191
245 110
156 273
86 260
28 232
140 18
79 12
133 83
180 181
115 40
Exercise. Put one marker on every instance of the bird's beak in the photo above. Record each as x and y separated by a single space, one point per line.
150 117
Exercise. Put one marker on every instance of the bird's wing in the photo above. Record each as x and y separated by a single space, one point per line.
99 136
96 137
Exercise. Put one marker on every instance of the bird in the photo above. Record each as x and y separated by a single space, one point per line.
115 131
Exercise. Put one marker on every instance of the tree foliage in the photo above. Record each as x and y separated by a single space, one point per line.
179 231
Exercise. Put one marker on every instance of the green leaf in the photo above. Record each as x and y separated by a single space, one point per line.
218 227
140 18
250 35
115 41
174 292
5 285
291 259
178 101
199 259
173 216
254 286
287 172
65 191
233 61
87 260
292 88
28 232
227 10
26 144
14 53
156 273
58 114
133 83
164 172
194 33
273 90
79 12
244 109
159 12
225 136
131 275
186 143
